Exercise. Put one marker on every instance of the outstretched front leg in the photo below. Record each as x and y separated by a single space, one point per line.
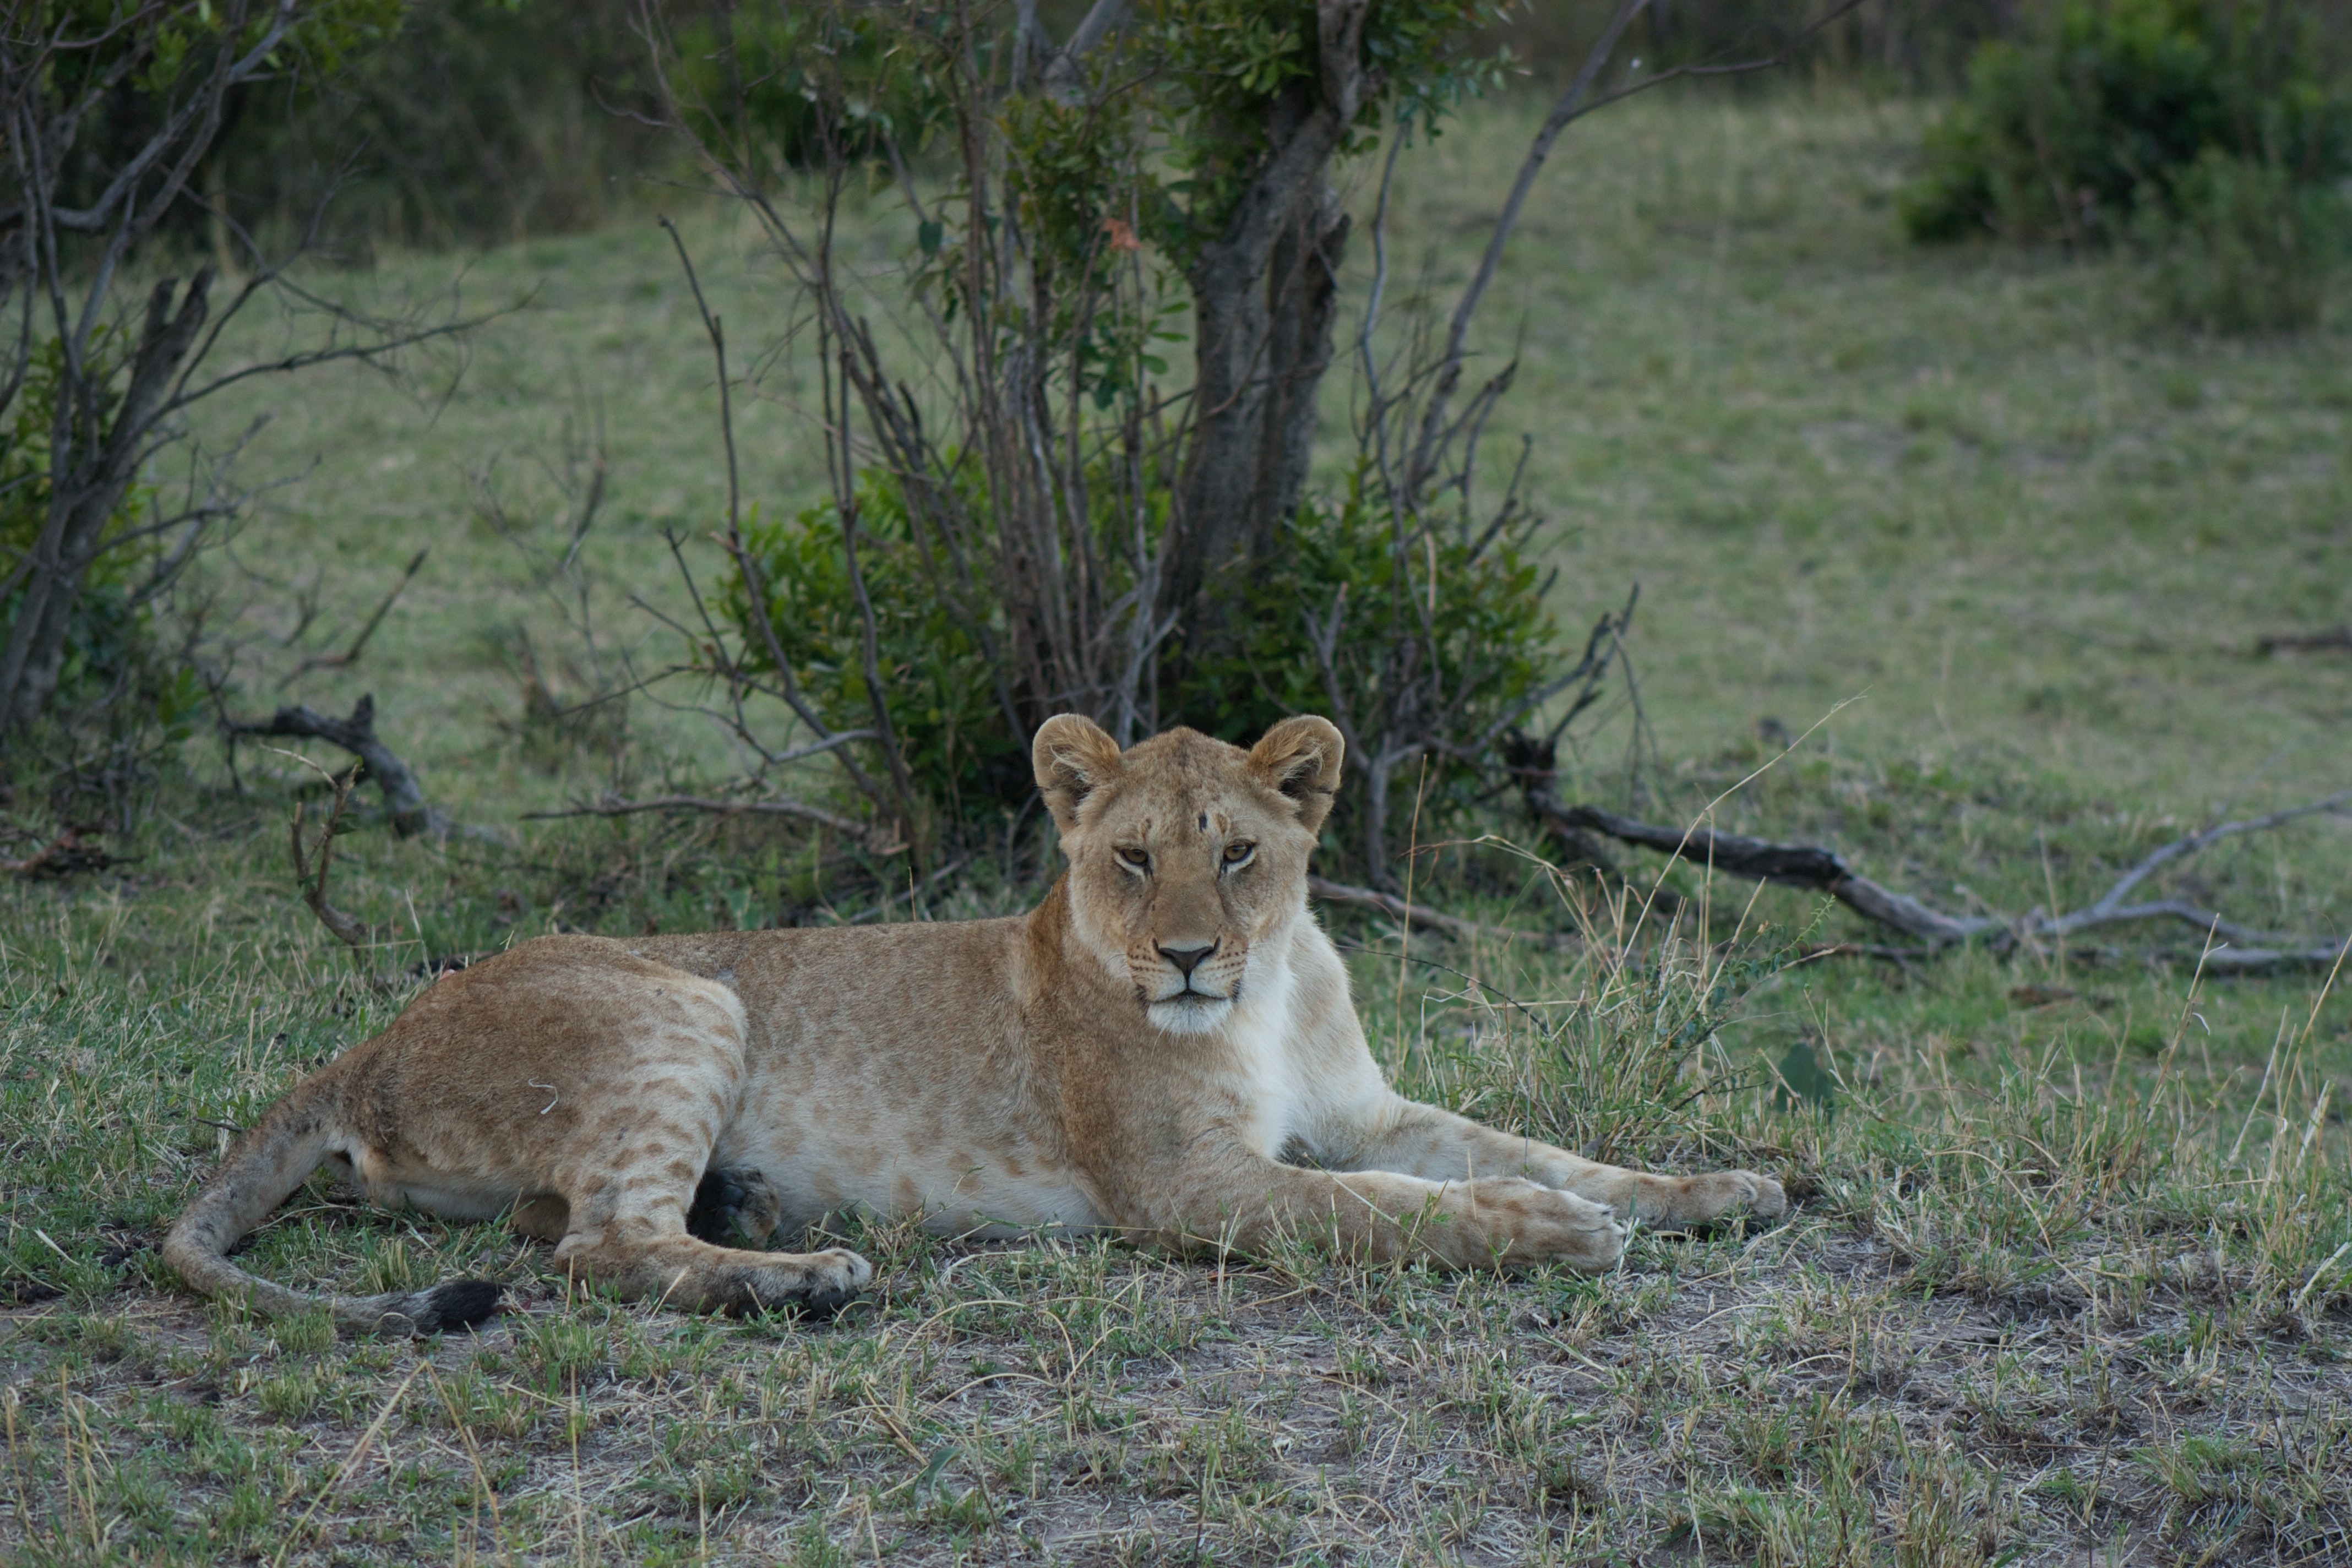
1415 1139
1220 1194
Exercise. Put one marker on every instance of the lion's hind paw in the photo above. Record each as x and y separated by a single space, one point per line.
734 1208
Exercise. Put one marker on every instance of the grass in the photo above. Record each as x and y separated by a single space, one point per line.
2068 1280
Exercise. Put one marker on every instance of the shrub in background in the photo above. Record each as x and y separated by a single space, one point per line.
745 77
108 629
481 120
2244 246
2209 132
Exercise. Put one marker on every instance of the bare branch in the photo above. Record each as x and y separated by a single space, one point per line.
1784 865
754 588
2109 907
1824 870
350 655
1572 104
401 794
876 840
347 930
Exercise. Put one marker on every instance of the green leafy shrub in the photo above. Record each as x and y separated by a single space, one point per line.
939 685
749 82
109 639
2099 114
2244 248
1330 627
1052 538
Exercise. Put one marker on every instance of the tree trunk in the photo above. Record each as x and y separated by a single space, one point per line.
1264 342
90 469
1264 294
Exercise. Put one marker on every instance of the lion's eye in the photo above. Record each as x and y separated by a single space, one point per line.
1139 858
1239 854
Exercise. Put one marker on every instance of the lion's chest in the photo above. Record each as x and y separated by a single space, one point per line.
1264 1085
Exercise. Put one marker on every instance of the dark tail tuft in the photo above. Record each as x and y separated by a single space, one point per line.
455 1304
460 1303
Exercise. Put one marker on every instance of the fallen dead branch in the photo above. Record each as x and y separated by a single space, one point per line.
2337 641
878 840
403 797
2234 948
2265 961
1760 860
70 852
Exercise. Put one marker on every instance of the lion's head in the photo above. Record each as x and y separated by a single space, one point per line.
1186 852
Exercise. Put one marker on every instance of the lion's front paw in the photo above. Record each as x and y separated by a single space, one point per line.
1704 1200
1526 1223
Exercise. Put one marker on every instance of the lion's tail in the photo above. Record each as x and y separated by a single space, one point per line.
261 1169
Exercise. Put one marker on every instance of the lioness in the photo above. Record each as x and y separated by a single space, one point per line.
1157 1048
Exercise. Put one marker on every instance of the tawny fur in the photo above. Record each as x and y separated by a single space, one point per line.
1160 1049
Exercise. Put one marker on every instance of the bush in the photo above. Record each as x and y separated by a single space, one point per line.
746 79
481 120
2243 247
108 644
2100 115
937 682
1336 581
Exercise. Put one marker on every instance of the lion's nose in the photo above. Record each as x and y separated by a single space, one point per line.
1186 959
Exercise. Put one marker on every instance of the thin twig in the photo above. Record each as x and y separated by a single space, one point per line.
313 885
350 655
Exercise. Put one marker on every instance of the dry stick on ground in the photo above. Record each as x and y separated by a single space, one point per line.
350 931
350 655
66 853
876 838
401 794
1824 870
2338 641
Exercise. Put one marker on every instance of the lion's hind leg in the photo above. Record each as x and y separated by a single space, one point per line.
628 1193
641 1249
627 1196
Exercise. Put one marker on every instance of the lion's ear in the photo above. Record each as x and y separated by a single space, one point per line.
1073 758
1301 758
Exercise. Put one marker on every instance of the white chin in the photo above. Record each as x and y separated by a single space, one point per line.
1196 1017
